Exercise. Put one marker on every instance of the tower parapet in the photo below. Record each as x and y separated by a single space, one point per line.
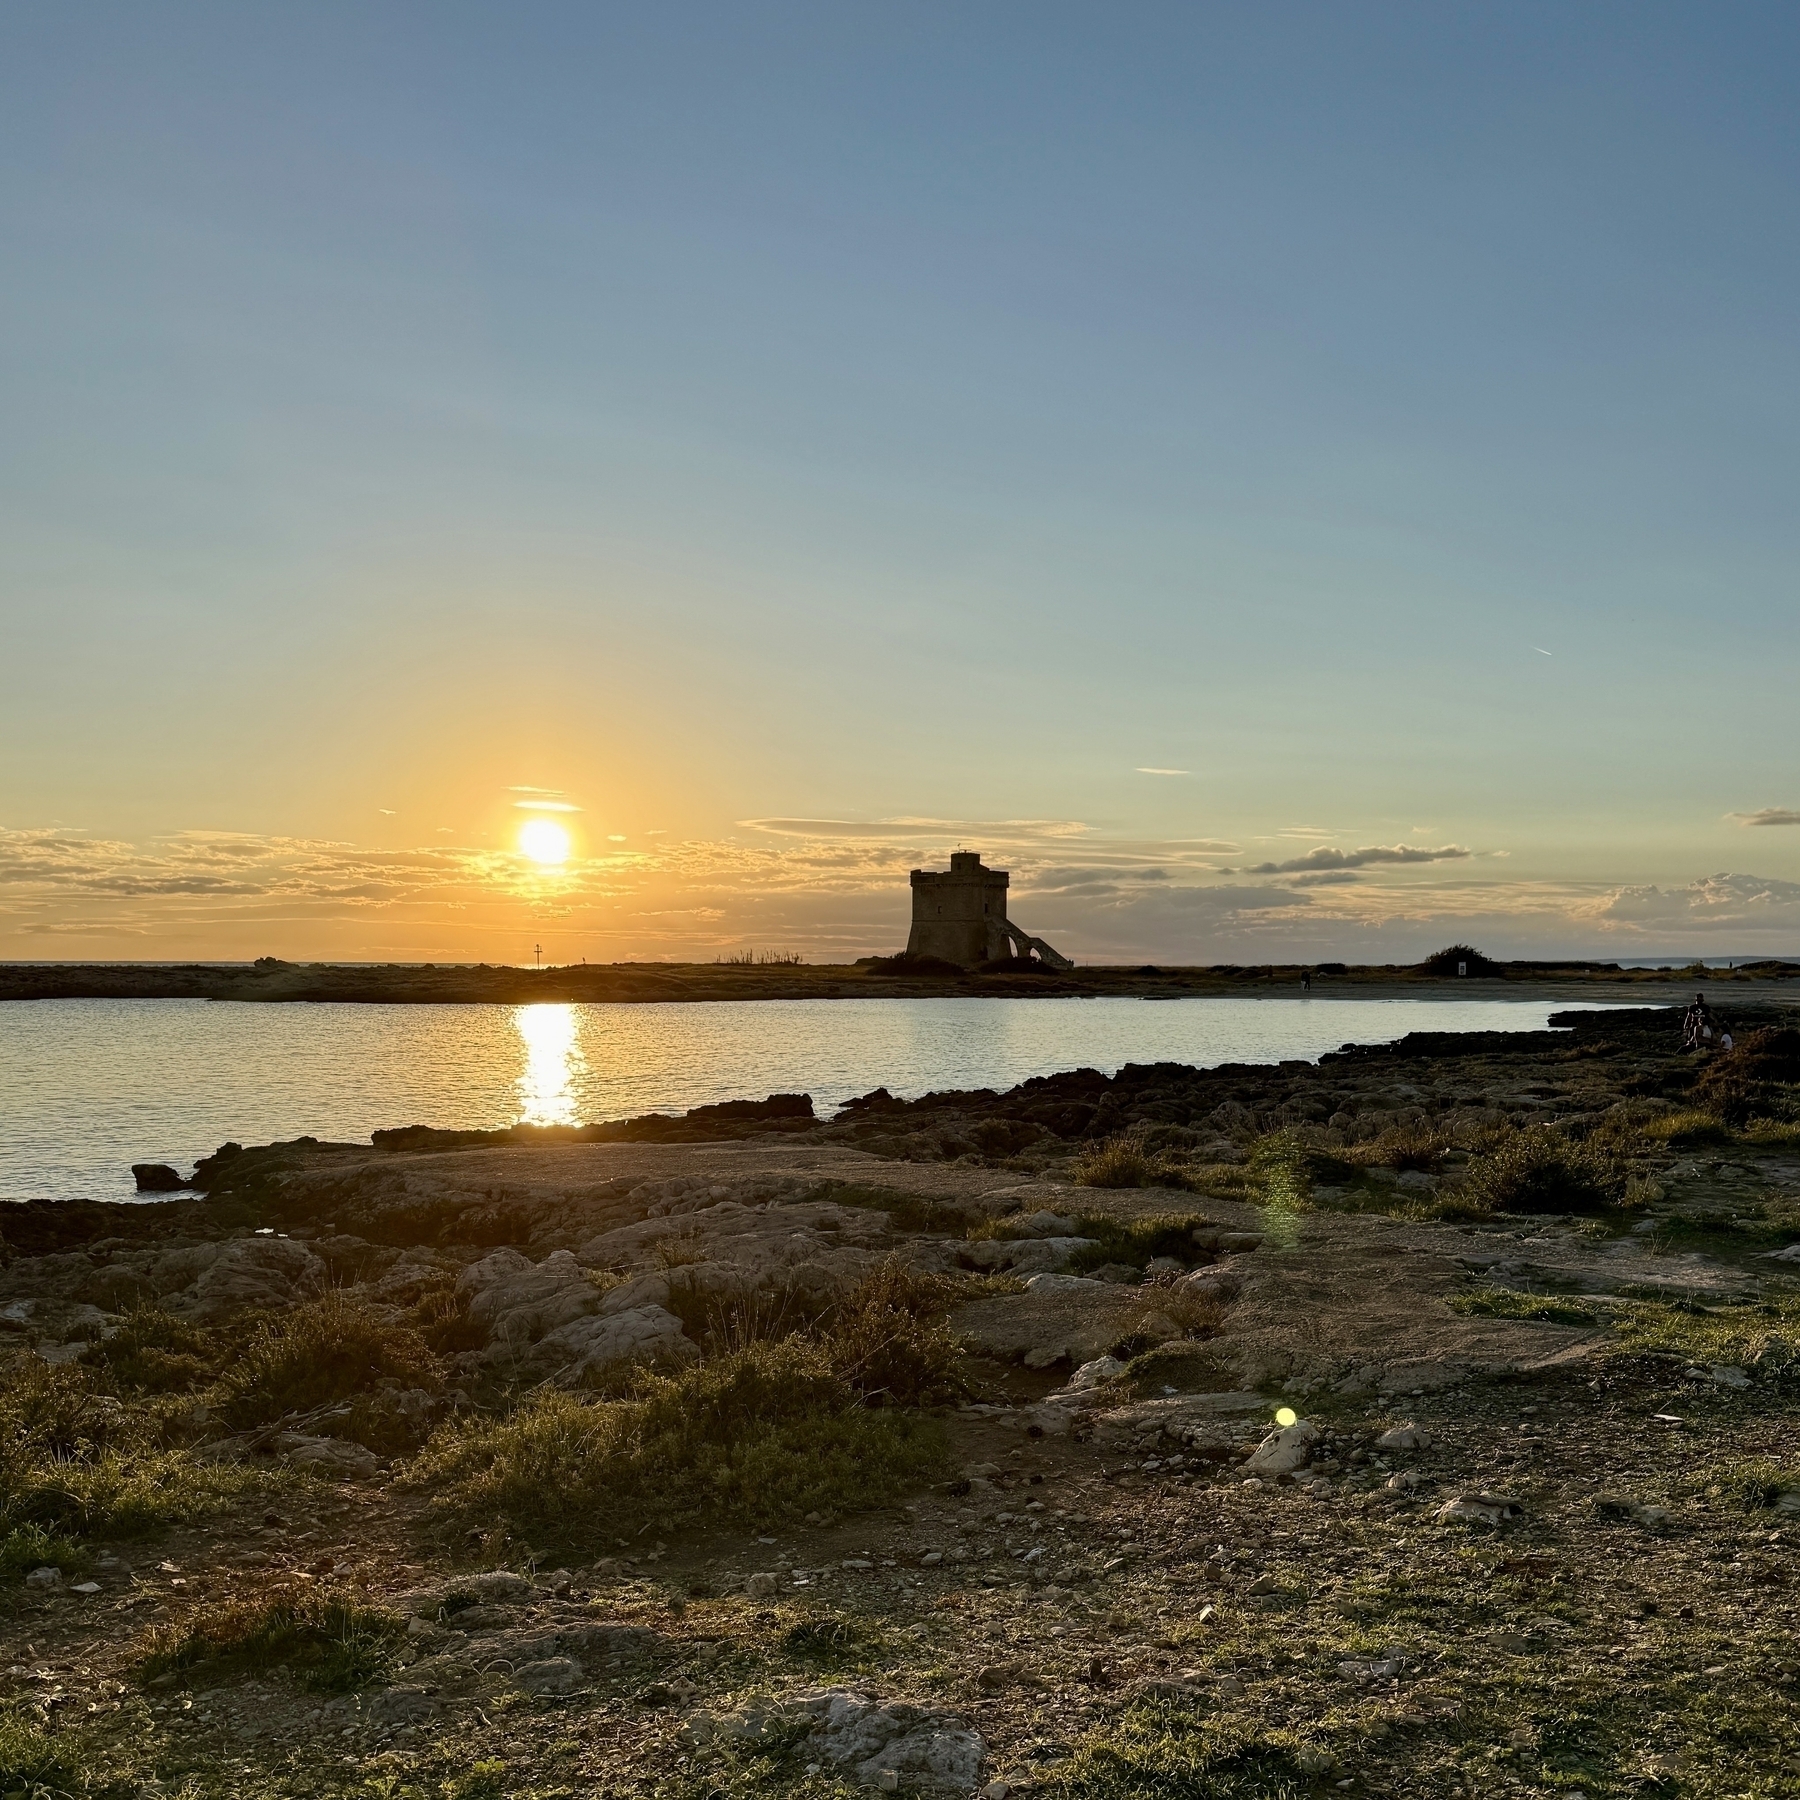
959 916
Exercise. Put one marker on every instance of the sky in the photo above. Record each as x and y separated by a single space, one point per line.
1288 482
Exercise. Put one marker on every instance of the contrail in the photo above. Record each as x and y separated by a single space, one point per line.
1540 650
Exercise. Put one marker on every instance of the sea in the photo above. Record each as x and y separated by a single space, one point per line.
89 1087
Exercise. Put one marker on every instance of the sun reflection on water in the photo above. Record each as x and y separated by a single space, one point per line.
553 1064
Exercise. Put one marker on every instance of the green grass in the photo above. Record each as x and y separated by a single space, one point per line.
1504 1303
76 1464
1538 1170
1136 1241
1166 1751
757 1436
326 1350
33 1765
1759 1335
28 1547
332 1642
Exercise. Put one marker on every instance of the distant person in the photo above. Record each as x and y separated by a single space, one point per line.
1306 984
1697 1027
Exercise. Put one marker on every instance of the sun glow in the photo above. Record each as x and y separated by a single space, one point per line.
544 841
553 1064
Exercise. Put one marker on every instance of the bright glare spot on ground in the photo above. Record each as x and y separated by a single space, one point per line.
544 841
1285 1415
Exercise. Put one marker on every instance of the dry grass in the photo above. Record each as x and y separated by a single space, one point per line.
1538 1170
757 1436
1126 1161
331 1641
327 1350
1687 1127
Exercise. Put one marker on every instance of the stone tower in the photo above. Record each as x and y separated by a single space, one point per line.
960 917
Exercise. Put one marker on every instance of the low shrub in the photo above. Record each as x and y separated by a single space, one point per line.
1538 1170
887 1341
154 1352
332 1641
1401 1147
78 1464
1127 1161
1135 1241
326 1350
1753 1078
757 1436
445 1324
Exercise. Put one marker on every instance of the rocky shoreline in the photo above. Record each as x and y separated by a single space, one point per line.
1416 1422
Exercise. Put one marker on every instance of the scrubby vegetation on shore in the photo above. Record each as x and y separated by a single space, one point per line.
444 1470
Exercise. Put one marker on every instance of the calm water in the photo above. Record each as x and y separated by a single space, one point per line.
88 1087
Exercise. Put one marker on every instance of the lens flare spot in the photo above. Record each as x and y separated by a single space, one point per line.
544 841
1285 1415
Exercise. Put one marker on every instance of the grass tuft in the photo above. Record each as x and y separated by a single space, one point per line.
1687 1127
326 1350
332 1641
756 1436
34 1765
1135 1241
1127 1161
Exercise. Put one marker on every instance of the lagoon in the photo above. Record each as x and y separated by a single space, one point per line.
88 1087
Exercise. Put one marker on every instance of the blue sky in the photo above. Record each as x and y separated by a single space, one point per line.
1383 416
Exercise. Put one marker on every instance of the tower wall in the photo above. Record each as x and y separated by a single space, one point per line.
959 916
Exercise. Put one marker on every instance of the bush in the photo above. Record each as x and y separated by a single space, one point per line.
888 1342
326 1350
758 1436
76 1463
1749 1079
154 1352
1540 1171
1126 1161
1446 961
1401 1147
332 1641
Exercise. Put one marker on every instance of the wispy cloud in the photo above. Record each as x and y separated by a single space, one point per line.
212 893
1768 815
914 830
541 799
1324 857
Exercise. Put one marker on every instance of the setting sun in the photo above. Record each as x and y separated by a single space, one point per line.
544 841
